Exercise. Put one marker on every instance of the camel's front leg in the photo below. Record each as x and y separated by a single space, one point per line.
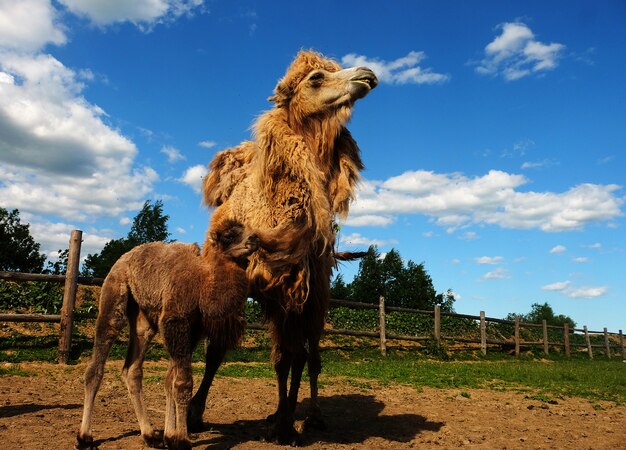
214 356
282 429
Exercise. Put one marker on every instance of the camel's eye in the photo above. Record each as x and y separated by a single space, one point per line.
316 78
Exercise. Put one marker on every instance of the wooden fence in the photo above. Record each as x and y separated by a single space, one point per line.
609 346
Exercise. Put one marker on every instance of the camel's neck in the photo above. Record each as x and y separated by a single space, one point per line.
320 133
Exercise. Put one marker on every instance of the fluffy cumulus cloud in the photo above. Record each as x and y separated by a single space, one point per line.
59 155
358 240
566 288
28 25
143 13
455 201
172 153
489 260
193 176
405 70
516 53
497 274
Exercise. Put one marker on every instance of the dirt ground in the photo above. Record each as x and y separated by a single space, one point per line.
44 411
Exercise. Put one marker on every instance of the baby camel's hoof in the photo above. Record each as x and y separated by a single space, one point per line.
177 444
154 440
285 435
85 442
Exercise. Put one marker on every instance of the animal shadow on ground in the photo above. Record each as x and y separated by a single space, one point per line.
27 408
350 419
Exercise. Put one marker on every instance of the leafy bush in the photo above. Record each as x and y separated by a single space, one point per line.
41 297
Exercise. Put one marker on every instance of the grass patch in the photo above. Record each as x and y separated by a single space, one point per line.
14 370
545 377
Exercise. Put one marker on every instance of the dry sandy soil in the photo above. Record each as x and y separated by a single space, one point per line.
44 411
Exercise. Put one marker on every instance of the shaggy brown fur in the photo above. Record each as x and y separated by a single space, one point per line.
171 288
301 169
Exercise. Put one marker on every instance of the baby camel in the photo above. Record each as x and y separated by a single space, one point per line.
185 295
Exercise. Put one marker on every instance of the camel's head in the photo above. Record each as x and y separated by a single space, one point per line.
234 240
314 85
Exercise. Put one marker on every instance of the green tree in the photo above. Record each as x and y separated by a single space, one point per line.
368 285
393 278
18 250
339 289
408 286
149 225
540 312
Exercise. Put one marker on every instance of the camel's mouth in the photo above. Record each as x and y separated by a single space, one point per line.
367 78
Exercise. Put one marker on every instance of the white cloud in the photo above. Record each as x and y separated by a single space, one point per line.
515 53
207 144
587 292
142 13
454 201
57 154
489 260
193 176
357 239
405 70
581 259
497 274
368 220
456 261
125 221
181 230
56 236
566 288
558 286
538 164
28 25
558 249
173 154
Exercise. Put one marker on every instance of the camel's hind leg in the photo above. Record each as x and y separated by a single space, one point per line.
141 333
109 323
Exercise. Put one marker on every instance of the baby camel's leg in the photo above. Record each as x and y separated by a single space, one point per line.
141 333
179 340
110 321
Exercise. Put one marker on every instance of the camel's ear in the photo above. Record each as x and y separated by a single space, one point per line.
282 94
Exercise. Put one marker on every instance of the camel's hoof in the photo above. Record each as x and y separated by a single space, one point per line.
285 435
194 417
85 442
154 440
177 443
316 422
195 424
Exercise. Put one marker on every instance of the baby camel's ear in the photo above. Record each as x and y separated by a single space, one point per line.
214 236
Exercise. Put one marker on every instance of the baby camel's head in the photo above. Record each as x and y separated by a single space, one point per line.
234 240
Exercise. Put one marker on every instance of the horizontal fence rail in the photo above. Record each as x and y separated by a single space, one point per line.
482 324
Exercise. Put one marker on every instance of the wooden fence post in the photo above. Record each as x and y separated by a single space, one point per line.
69 297
566 339
516 336
437 331
607 344
483 333
588 341
383 332
545 336
621 344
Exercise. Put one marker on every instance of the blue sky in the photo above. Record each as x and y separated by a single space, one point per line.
494 145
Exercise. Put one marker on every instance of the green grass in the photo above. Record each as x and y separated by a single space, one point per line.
363 367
